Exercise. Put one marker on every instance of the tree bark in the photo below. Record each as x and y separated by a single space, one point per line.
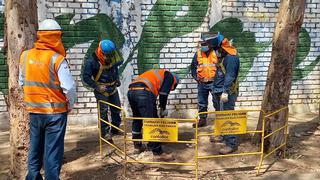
21 23
278 85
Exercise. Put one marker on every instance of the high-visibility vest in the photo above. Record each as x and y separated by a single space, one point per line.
207 66
153 79
41 86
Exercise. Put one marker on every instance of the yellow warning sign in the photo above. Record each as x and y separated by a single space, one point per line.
230 123
160 130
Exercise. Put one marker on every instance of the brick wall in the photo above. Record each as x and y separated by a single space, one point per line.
164 34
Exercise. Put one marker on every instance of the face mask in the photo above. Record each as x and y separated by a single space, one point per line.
204 48
108 58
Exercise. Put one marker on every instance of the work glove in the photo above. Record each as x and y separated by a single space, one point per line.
101 88
163 112
118 83
224 97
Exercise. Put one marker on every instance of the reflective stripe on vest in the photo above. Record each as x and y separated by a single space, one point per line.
45 105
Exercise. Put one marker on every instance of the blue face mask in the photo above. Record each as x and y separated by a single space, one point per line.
204 48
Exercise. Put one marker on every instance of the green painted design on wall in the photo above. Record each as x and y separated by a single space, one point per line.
3 64
302 52
164 23
244 41
161 26
93 29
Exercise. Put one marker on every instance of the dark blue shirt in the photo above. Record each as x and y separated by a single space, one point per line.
91 70
223 82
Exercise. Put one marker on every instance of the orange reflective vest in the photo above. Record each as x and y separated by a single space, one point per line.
153 79
207 66
41 86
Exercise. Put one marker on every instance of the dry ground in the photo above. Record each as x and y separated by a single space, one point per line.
82 159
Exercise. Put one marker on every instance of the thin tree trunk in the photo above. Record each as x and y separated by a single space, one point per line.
278 86
21 23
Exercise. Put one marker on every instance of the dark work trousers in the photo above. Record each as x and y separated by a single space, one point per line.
230 140
203 93
115 113
143 104
46 145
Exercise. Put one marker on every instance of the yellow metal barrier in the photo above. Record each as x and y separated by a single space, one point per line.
284 127
197 135
169 140
101 139
234 114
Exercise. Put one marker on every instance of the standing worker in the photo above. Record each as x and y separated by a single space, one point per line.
142 95
203 70
49 93
101 74
226 85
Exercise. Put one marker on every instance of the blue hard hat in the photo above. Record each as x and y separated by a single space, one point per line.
176 76
107 46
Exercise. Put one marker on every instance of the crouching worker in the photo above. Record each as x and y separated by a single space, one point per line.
101 74
142 96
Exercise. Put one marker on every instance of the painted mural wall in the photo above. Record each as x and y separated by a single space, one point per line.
165 34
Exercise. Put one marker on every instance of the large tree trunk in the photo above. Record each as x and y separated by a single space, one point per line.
278 86
21 23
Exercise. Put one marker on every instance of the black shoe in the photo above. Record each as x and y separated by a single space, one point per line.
201 123
139 149
116 132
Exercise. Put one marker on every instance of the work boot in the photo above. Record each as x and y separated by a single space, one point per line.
202 123
108 137
139 148
116 132
164 157
227 150
216 139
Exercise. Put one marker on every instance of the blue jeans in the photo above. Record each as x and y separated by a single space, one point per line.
46 145
143 104
203 94
115 113
230 140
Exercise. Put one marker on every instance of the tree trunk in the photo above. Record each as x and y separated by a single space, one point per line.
21 23
278 86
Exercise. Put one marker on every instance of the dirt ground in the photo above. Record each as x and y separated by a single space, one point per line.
82 159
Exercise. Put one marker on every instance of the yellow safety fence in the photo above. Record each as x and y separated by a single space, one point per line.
166 130
284 110
100 120
161 130
232 122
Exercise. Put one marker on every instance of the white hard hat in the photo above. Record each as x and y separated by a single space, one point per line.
49 25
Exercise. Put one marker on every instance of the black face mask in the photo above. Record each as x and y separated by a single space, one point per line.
108 58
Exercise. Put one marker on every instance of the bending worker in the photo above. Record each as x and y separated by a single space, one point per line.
226 86
49 94
142 95
101 74
203 70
